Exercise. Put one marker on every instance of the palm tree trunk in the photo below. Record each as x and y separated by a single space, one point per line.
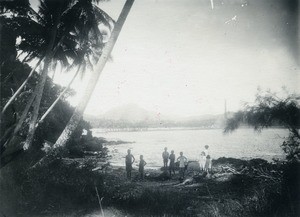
37 101
19 124
24 114
40 86
58 98
71 126
77 115
20 88
30 101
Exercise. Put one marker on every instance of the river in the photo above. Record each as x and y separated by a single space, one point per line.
243 143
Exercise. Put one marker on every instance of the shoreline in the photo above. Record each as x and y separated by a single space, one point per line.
193 166
235 187
151 129
270 161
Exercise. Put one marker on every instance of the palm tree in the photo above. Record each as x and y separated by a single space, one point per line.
77 115
87 24
34 25
74 34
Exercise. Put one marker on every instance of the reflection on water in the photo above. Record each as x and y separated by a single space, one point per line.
243 143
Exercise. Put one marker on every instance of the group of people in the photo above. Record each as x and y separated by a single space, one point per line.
181 159
129 160
204 162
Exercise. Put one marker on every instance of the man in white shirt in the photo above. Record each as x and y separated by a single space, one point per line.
208 161
182 161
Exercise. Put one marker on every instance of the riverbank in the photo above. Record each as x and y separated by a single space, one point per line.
235 187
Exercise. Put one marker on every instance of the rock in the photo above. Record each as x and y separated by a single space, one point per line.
193 166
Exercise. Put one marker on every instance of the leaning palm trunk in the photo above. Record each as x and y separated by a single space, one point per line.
20 88
36 104
20 121
30 101
40 86
77 115
58 98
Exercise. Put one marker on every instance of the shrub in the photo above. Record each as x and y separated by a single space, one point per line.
60 186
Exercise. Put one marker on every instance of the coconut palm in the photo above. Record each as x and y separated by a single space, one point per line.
95 76
36 26
77 115
61 31
62 25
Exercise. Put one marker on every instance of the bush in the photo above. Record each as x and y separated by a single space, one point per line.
58 187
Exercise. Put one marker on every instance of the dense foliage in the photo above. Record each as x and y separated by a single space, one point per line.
57 185
65 33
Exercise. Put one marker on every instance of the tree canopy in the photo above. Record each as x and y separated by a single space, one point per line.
271 110
68 32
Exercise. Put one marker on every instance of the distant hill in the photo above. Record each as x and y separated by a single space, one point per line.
133 116
130 113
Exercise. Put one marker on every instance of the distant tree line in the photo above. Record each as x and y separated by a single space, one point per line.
125 124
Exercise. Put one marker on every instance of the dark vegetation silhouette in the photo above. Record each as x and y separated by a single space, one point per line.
61 33
270 110
64 33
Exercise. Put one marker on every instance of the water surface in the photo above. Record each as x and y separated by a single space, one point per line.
243 143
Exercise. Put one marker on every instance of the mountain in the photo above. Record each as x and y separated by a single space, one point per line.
133 116
130 113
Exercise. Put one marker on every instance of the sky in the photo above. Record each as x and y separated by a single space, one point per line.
184 58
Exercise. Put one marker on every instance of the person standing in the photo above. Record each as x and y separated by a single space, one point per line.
129 160
165 156
182 161
142 164
172 163
208 160
202 161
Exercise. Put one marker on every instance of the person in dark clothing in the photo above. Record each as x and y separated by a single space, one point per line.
172 163
129 160
165 156
141 166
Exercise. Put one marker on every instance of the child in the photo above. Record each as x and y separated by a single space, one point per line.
129 160
202 161
141 166
172 163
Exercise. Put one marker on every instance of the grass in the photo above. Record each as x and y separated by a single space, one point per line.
70 191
